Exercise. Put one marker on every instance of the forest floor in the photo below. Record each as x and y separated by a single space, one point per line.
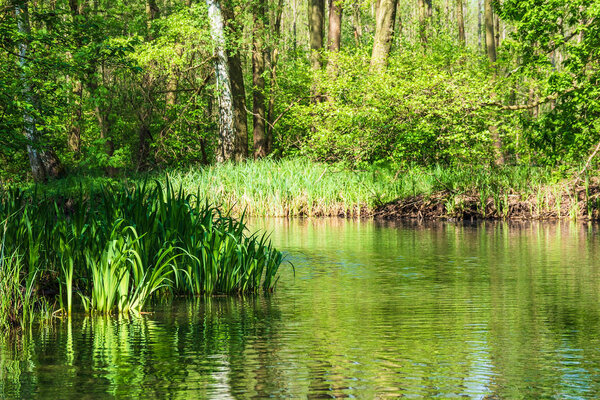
300 187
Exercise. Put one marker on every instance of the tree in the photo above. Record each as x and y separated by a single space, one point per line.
334 37
490 38
425 13
316 22
44 162
226 150
460 21
238 89
258 80
384 33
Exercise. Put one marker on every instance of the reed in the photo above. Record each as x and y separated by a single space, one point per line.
118 248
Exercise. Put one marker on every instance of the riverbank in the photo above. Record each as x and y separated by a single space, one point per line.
300 187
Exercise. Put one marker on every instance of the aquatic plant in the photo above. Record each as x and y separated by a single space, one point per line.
118 248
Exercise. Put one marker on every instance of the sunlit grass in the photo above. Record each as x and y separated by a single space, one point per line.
301 187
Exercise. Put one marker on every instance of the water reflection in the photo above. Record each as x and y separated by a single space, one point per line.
375 310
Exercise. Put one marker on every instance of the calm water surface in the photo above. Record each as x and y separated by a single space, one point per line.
374 310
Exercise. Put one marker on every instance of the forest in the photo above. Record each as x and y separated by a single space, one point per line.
110 88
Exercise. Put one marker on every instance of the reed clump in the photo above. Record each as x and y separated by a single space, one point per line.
116 249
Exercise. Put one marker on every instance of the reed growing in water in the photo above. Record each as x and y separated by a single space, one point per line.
119 247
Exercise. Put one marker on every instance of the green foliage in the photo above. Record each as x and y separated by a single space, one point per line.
119 247
553 51
425 109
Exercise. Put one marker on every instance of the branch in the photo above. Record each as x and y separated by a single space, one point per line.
589 160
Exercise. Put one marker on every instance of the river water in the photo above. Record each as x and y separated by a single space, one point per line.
373 310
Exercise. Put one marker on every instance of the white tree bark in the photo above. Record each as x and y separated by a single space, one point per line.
226 148
35 158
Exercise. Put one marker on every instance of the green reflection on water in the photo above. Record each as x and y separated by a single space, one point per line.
373 311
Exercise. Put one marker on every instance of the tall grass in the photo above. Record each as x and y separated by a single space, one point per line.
119 247
300 187
16 292
294 187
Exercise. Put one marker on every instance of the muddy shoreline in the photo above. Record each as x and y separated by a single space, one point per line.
576 203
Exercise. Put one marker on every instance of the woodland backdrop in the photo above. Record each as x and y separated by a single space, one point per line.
109 87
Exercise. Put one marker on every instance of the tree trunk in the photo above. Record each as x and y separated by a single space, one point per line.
425 13
461 21
271 59
145 109
226 150
384 33
44 162
109 146
294 25
77 90
238 89
479 24
152 13
357 22
490 44
258 81
334 37
490 39
316 22
496 30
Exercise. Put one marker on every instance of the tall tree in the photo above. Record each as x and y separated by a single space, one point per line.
334 37
238 89
460 21
77 9
226 149
43 161
479 24
490 38
152 13
271 59
258 80
384 33
316 26
145 110
425 13
356 22
490 45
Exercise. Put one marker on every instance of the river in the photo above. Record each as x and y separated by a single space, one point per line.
370 310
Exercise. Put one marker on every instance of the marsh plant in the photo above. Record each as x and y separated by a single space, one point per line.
120 247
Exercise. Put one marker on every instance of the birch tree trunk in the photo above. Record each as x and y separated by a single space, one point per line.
44 163
226 149
384 33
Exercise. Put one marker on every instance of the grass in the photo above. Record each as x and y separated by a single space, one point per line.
300 187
